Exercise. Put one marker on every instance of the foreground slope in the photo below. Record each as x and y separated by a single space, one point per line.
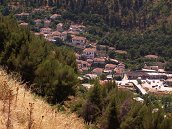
19 109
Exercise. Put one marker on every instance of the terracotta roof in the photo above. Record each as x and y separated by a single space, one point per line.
49 29
89 50
89 65
78 38
110 65
84 62
99 60
73 33
56 33
64 33
121 52
89 60
169 80
85 69
97 70
78 61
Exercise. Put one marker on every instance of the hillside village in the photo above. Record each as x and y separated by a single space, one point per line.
92 59
75 64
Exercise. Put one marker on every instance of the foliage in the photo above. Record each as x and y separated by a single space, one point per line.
107 107
52 69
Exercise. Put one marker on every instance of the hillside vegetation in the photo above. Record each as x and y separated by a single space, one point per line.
52 69
19 109
116 13
109 107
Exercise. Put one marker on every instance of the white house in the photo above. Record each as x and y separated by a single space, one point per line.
77 28
78 40
89 53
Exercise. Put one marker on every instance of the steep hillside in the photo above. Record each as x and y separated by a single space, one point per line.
116 13
19 109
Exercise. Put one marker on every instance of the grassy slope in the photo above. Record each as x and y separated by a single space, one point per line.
43 116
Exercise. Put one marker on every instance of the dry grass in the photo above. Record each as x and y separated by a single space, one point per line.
19 109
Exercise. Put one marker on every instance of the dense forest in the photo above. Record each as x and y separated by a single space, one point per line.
51 69
140 27
116 13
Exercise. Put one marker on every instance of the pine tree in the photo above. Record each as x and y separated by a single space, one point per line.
111 115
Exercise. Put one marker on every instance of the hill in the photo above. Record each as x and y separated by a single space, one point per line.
140 27
19 109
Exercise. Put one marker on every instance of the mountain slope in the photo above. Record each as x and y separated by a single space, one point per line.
21 109
125 14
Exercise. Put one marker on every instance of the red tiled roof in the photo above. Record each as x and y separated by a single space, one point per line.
56 33
84 62
46 29
89 60
97 70
78 38
89 50
99 60
85 69
110 65
73 33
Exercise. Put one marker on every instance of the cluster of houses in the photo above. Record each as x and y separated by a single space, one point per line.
90 60
152 79
44 28
90 63
59 32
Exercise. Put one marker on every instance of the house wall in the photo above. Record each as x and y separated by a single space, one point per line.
78 42
89 55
